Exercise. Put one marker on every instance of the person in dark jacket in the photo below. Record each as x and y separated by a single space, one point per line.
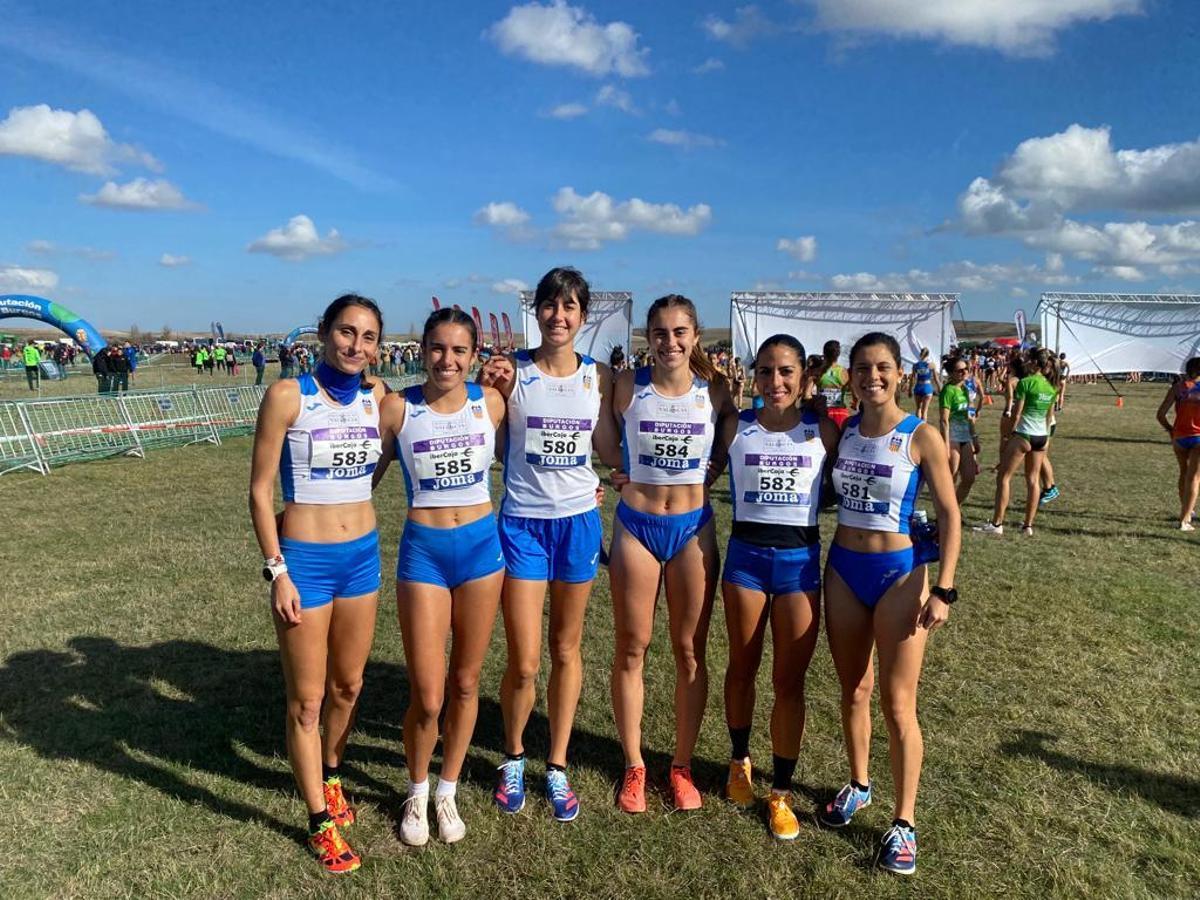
259 361
101 370
118 367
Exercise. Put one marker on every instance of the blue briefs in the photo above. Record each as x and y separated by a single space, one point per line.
1187 443
449 557
774 571
322 572
663 536
869 575
922 390
566 549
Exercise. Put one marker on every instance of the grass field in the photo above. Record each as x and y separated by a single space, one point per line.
168 371
141 711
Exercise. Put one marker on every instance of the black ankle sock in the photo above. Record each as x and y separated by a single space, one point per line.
328 772
903 823
783 770
739 742
860 787
316 820
555 767
513 757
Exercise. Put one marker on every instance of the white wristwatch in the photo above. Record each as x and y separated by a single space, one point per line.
273 567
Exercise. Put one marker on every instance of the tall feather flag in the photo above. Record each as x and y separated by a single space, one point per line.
495 330
220 332
459 308
478 320
437 304
508 335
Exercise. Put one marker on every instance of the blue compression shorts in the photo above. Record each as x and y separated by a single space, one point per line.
566 549
322 572
1187 443
773 571
922 390
869 575
449 557
663 536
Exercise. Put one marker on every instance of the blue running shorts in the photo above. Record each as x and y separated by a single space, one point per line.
774 571
566 549
663 536
449 557
322 572
869 575
1187 443
922 390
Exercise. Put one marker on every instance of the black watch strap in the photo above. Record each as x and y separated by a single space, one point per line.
946 595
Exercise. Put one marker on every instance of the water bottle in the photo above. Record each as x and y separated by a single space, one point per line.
925 538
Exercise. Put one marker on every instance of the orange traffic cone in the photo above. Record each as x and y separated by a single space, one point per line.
987 399
1120 401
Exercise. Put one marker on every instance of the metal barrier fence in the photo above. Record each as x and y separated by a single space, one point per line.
40 434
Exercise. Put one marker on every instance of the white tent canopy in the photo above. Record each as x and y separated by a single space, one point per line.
608 325
914 320
1104 333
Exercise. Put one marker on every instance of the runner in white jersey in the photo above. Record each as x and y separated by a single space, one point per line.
876 585
559 411
320 433
668 416
777 457
450 566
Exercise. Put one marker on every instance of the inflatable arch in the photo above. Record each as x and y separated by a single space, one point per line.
23 306
295 333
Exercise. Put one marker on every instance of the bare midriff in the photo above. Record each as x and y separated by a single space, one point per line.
864 540
663 499
330 523
449 516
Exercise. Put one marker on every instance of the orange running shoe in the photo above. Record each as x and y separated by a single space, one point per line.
332 850
632 796
686 795
782 820
739 789
335 802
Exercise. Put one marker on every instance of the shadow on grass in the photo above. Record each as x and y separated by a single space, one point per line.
1170 792
146 712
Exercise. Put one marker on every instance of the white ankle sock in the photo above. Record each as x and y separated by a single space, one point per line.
418 788
446 788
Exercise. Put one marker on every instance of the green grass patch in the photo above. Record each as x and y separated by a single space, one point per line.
141 710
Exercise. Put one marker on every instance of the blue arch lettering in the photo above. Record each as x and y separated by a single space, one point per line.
24 306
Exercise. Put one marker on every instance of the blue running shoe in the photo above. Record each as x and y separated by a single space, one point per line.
898 850
837 813
510 786
1048 496
562 799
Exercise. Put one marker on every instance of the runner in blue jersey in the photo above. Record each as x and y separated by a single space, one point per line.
925 381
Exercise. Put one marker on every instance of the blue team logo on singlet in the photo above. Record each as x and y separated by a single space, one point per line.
644 394
415 413
311 406
530 380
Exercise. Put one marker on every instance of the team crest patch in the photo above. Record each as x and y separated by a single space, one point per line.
587 382
895 443
477 409
700 399
809 434
368 407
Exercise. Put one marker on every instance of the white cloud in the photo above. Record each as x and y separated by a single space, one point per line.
49 248
803 249
964 275
1015 27
612 96
712 64
560 35
586 223
673 108
687 140
505 218
862 281
139 195
22 279
298 240
749 22
509 286
568 111
1123 273
77 141
171 261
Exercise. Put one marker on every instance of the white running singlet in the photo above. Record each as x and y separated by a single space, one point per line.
446 458
876 480
330 451
668 440
775 476
548 461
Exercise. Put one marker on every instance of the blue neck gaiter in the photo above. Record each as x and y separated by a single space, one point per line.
341 387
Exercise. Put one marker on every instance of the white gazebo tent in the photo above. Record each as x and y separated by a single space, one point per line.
609 323
914 320
1105 333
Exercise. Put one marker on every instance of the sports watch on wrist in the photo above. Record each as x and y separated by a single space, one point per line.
273 567
946 595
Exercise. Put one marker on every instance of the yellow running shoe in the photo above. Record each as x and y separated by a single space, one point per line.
782 820
738 787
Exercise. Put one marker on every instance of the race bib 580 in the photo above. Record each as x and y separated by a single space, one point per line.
557 443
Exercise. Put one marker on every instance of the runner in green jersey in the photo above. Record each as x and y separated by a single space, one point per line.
1033 406
956 428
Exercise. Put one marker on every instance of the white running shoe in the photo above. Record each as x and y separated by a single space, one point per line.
450 825
414 824
1027 531
1186 526
990 528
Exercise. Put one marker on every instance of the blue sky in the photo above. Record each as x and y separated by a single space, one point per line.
175 164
